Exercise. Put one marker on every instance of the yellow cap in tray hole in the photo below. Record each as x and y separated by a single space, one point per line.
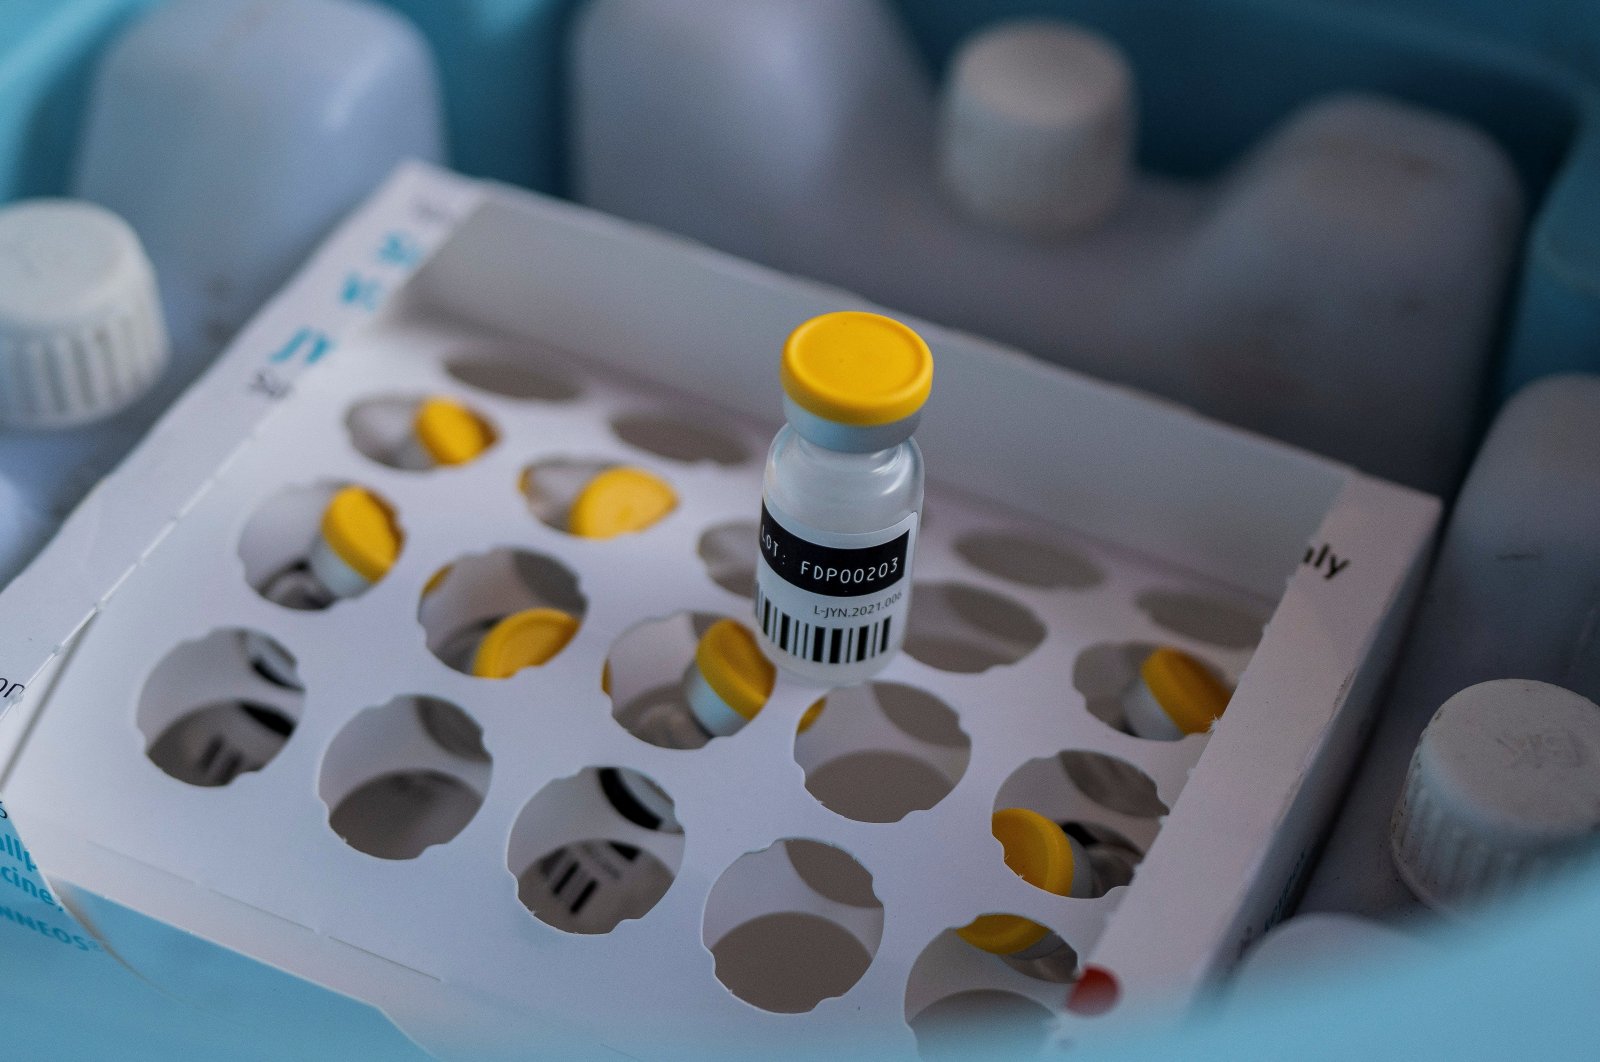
360 529
1037 851
620 501
856 368
732 665
809 717
450 433
523 639
1188 692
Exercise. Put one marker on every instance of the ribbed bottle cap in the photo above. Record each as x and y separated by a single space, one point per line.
81 332
1037 127
1504 787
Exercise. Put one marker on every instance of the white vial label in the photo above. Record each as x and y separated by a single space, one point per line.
828 599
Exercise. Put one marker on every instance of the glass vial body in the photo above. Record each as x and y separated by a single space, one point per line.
859 502
842 498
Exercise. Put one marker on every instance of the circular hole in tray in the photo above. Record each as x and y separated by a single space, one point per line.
1112 855
960 996
965 629
561 490
404 776
981 1022
831 872
729 553
677 439
1230 625
648 674
779 944
219 707
385 430
468 599
1108 676
289 561
510 370
595 849
877 752
1028 561
1113 783
1114 836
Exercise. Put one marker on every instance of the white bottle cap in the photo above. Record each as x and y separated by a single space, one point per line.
1504 787
1038 127
81 333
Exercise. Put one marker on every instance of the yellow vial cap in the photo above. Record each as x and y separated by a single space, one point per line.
523 639
732 665
449 432
620 501
1187 690
809 718
436 580
1039 853
361 530
855 368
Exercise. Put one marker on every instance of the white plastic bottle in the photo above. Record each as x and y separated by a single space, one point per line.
82 346
841 498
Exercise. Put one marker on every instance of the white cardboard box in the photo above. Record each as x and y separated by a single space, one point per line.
1184 525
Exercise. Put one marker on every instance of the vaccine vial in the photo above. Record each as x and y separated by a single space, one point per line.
723 688
841 498
357 542
501 646
1041 853
1174 695
591 500
443 433
620 501
596 884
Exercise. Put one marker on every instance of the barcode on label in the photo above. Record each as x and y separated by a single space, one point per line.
817 643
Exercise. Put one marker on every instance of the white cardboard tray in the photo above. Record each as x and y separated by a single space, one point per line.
1171 511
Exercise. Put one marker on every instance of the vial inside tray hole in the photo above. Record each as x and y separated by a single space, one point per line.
1213 620
419 433
1150 691
998 959
658 694
966 629
593 498
779 943
729 553
522 372
877 752
220 706
493 614
404 776
1028 561
308 547
677 439
1107 807
595 849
